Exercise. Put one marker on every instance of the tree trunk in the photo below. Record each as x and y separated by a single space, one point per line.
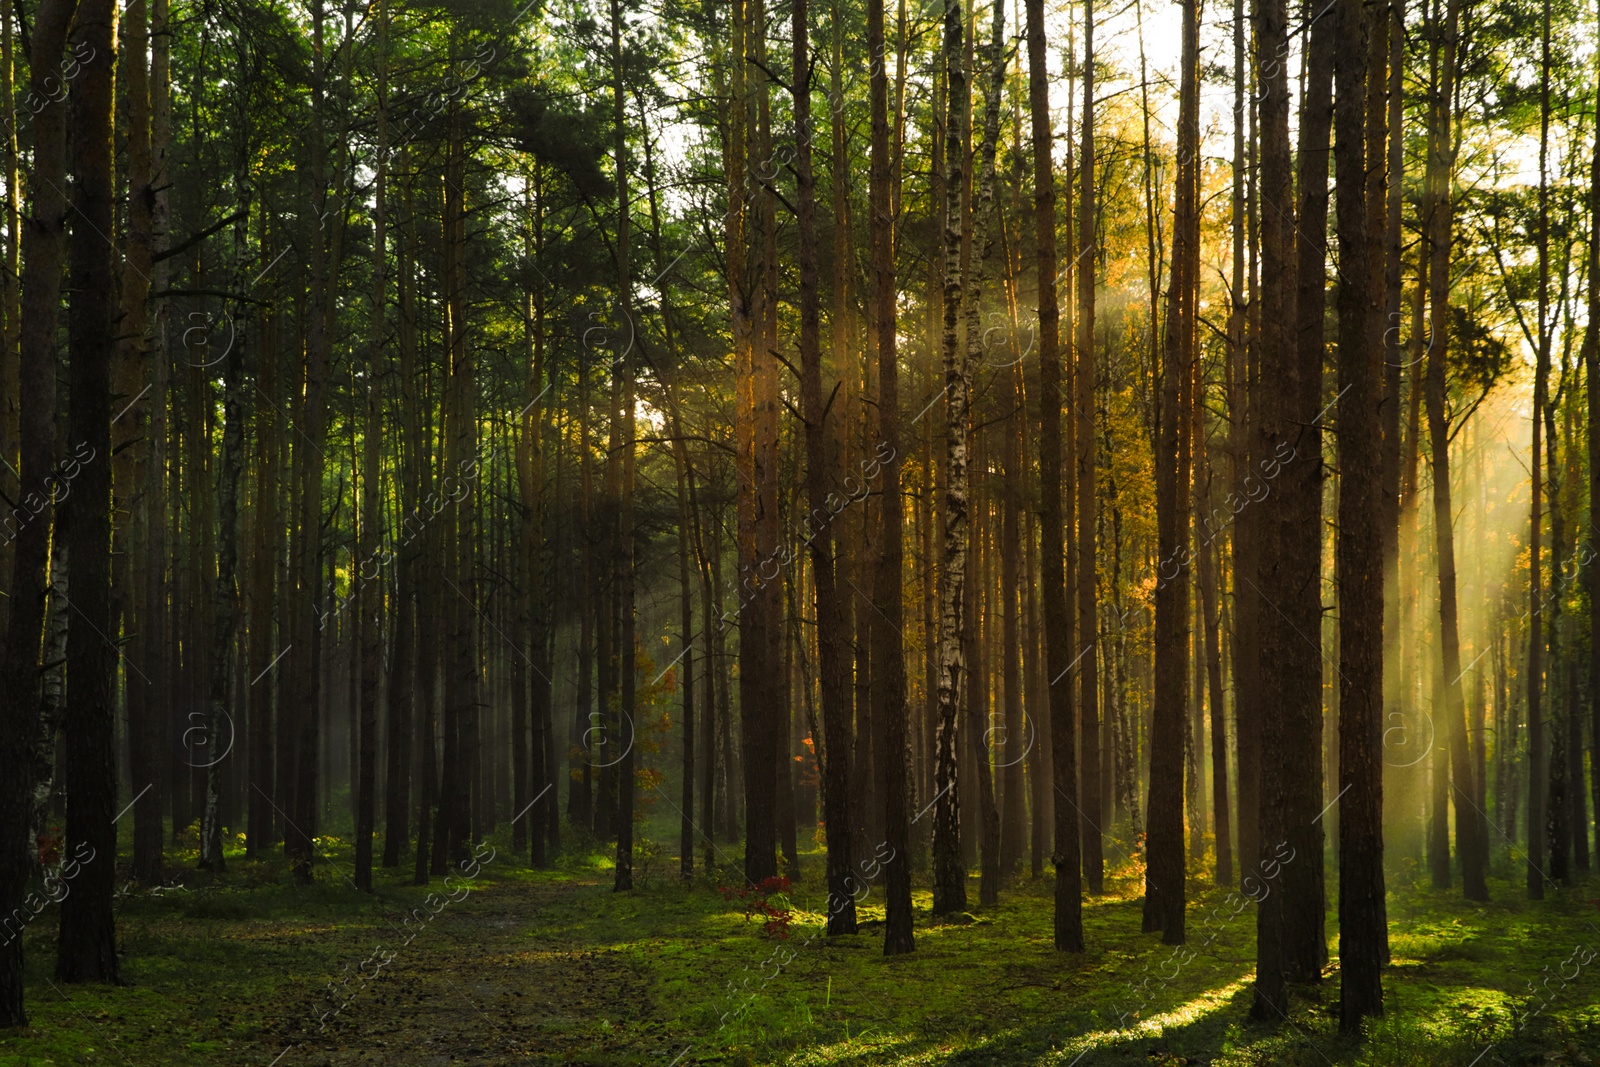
834 683
43 248
11 294
305 704
1207 557
888 651
1087 670
265 530
87 949
1238 465
1010 735
403 660
1274 441
949 872
1057 627
580 794
1303 896
132 470
623 434
461 700
1441 160
1591 363
1164 874
372 598
1363 517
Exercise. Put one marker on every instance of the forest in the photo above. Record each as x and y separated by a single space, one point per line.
800 532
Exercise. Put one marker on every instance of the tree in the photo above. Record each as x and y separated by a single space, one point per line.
1359 68
981 252
1277 398
372 603
888 653
43 250
306 550
1057 628
1468 817
1088 674
949 873
87 948
1164 873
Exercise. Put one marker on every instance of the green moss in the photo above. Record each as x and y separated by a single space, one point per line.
552 967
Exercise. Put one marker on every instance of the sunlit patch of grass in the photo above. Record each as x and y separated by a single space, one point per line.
222 969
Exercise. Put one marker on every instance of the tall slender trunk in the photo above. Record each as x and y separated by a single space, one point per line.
1390 125
985 221
143 606
460 573
86 950
131 469
1298 533
1441 158
1591 362
43 247
11 291
1363 517
1238 461
1248 603
529 750
888 650
1274 440
372 598
1086 574
1057 627
1009 755
1207 559
949 873
830 659
265 528
220 741
1164 875
623 434
403 659
1441 162
305 704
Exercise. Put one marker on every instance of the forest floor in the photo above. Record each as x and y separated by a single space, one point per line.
547 967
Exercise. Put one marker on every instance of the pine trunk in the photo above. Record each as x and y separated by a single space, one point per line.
1363 519
86 949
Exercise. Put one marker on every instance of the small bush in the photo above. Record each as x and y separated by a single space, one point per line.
769 900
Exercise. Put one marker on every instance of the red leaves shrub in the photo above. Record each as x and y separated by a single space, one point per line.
769 901
50 848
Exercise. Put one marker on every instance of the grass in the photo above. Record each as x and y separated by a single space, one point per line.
551 967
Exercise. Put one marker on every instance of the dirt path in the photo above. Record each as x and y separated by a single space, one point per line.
491 980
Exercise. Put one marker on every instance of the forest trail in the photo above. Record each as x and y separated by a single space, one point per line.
492 980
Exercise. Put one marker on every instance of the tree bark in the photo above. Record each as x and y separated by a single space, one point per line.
306 558
43 248
888 650
1591 362
817 524
623 435
1441 160
1164 874
86 949
949 872
1363 514
1087 671
1441 163
372 600
1057 628
1274 440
